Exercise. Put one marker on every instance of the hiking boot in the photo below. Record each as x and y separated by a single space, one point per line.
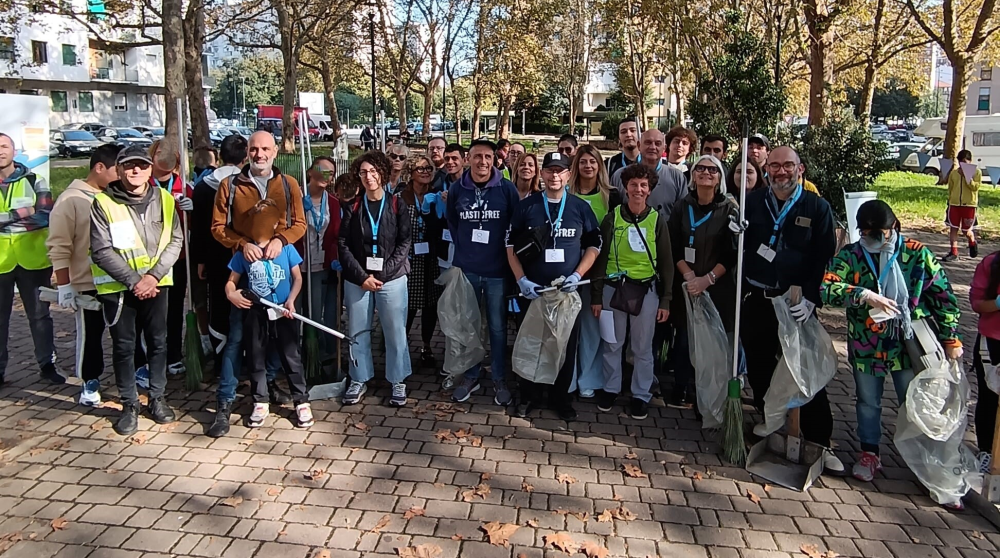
866 467
950 257
465 390
52 375
304 415
427 359
398 397
354 392
176 369
259 415
220 427
278 396
502 396
638 409
128 421
160 412
606 400
973 250
142 377
90 393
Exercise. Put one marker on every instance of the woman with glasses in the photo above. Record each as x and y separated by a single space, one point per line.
705 255
397 154
374 249
426 229
755 176
588 180
323 228
526 176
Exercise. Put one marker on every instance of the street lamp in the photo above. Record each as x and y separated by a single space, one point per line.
372 5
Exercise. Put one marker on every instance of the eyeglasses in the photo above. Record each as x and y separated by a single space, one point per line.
788 166
397 157
706 169
422 169
370 172
141 165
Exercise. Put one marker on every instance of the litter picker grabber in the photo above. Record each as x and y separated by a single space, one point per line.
557 287
192 337
310 345
85 302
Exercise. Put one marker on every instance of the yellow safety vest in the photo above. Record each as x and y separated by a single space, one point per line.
135 256
26 249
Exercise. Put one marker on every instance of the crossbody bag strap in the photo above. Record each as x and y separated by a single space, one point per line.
649 253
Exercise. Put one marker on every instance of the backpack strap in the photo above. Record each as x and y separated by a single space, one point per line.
288 202
229 206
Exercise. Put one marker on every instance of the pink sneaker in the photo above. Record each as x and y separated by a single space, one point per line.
866 467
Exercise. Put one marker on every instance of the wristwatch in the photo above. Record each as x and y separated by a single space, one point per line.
712 277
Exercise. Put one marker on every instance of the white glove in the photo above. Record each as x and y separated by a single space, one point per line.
67 296
184 203
802 310
738 227
879 302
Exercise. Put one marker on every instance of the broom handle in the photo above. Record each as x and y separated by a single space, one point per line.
305 192
739 257
794 430
304 319
340 302
182 150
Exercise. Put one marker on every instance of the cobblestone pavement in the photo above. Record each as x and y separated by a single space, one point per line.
423 481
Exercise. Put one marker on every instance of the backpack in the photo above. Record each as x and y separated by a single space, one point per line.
288 201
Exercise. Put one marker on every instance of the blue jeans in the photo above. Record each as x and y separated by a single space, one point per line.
869 404
589 361
391 301
496 316
232 358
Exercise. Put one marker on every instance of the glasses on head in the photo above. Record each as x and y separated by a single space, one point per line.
141 165
788 166
713 170
397 157
367 172
424 168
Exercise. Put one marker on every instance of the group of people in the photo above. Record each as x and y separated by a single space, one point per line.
633 235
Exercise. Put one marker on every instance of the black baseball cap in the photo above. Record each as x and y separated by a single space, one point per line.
761 139
555 159
134 153
483 141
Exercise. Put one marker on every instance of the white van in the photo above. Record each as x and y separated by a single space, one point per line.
322 121
982 137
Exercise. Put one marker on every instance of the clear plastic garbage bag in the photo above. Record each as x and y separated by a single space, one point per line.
808 363
540 348
930 429
459 319
711 355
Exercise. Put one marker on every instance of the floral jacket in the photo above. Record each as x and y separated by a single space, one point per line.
875 348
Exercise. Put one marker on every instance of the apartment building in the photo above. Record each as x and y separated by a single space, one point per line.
602 83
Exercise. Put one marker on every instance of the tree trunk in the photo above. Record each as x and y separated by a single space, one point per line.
820 60
679 97
477 114
290 59
503 124
428 107
340 149
173 69
962 67
194 43
401 109
864 108
572 111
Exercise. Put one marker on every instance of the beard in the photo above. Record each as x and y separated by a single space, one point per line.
260 167
786 185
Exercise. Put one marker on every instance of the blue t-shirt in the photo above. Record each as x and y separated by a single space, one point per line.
270 279
577 231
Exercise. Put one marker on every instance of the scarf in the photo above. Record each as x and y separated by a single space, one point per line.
892 285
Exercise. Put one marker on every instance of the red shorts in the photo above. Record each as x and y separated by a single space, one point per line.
961 217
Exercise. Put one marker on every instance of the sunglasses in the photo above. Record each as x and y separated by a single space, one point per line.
422 169
396 157
565 150
706 169
141 165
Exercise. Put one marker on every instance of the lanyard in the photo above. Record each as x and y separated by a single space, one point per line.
170 184
880 277
696 224
375 224
318 219
638 160
559 216
780 219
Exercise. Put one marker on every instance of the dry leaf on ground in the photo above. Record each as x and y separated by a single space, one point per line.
605 516
482 490
531 523
561 541
462 433
527 487
97 426
812 551
476 441
631 455
138 439
444 435
419 551
35 451
753 497
9 540
500 533
382 522
457 537
633 471
594 550
485 477
316 475
59 523
566 479
23 423
767 488
232 501
168 427
362 426
414 511
322 553
112 405
273 491
697 475
977 535
621 512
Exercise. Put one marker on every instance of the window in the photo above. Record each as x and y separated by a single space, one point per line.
69 55
984 99
120 102
986 74
660 79
660 102
7 48
86 101
142 102
58 101
39 52
986 139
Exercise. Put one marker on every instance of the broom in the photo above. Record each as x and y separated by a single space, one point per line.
192 337
734 449
311 362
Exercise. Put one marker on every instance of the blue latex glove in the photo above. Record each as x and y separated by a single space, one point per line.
307 203
570 283
529 290
430 200
998 302
335 265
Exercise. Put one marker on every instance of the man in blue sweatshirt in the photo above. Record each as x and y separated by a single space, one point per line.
479 208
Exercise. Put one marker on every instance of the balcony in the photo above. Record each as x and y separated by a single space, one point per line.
114 74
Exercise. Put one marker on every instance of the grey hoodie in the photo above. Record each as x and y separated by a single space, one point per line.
147 216
671 187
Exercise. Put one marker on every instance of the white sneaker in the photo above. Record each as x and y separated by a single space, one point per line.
761 430
259 415
832 463
354 392
176 368
984 459
868 464
90 394
586 394
304 415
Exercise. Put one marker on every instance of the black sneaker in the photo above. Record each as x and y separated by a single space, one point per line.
524 408
566 412
160 412
638 409
606 400
220 427
680 399
128 422
278 396
950 257
973 250
50 373
427 359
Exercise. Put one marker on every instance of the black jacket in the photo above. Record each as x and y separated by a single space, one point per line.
394 241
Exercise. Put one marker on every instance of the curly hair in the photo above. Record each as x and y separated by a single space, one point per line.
376 159
346 187
681 131
634 171
411 164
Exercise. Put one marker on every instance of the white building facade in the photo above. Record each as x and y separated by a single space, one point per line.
602 84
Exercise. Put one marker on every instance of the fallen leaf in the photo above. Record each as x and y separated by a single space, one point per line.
977 535
463 433
23 423
35 451
812 551
482 490
414 511
444 435
282 533
439 485
566 479
457 537
621 512
32 536
582 516
605 516
697 475
112 405
273 491
362 426
476 441
59 523
594 550
111 471
767 488
382 522
138 439
633 471
500 533
561 541
631 455
527 487
315 475
143 400
419 551
98 426
9 540
485 477
168 427
531 523
324 553
354 449
232 501
753 497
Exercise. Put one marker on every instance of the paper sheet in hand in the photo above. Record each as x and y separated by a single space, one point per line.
946 165
968 171
608 326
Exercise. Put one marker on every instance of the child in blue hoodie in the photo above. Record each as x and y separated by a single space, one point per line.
479 209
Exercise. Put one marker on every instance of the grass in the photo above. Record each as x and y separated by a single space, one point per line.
59 178
920 203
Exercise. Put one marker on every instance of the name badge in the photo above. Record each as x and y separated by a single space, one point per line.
636 240
689 255
122 235
18 203
446 235
803 222
554 255
766 252
421 248
481 236
375 264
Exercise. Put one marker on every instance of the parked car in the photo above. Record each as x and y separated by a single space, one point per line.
74 143
897 149
241 130
92 127
124 137
150 132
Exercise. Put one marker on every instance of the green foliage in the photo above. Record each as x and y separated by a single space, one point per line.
740 88
547 107
920 203
264 78
894 101
609 126
839 156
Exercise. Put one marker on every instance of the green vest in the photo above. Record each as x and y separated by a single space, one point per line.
135 256
627 253
26 249
597 204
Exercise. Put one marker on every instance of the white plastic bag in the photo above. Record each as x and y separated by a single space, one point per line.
540 348
930 429
808 363
711 355
459 319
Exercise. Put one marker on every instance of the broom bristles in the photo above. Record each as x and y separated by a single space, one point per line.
734 448
192 354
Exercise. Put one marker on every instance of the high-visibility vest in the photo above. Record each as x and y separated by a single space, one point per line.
26 249
634 261
135 256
